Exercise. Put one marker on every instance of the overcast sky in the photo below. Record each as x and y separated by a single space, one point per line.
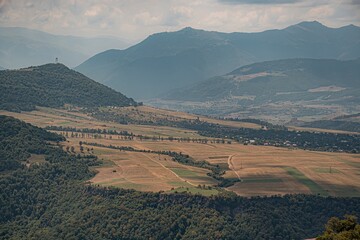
136 19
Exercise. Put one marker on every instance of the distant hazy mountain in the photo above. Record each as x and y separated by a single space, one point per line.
53 85
1 68
21 47
175 59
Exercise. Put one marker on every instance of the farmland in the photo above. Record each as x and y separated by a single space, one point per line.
264 170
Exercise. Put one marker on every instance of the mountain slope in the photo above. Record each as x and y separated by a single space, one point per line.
349 123
21 47
53 85
170 60
277 80
1 68
290 88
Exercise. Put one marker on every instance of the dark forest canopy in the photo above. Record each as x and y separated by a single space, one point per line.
19 140
51 201
53 85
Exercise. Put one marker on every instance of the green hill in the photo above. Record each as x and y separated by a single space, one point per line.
171 60
53 85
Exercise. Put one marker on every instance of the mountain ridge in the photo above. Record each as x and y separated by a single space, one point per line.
22 47
275 91
317 68
175 59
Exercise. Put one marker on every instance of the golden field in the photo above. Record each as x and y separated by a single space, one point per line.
263 170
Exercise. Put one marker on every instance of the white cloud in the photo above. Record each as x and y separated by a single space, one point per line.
135 19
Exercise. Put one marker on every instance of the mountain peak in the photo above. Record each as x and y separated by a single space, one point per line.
187 29
308 25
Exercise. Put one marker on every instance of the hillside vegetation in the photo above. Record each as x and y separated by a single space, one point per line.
49 201
169 60
19 140
53 85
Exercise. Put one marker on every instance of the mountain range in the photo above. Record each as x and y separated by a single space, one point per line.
170 60
54 85
280 80
22 47
276 90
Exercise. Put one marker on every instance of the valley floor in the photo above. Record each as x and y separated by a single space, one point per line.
263 170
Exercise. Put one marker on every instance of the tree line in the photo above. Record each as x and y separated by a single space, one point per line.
318 141
125 135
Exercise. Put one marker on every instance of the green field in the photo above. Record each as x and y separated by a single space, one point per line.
326 170
300 177
261 180
195 190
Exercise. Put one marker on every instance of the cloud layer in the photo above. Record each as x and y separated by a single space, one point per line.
135 19
270 2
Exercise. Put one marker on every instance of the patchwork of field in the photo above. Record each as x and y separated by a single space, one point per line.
263 170
145 171
267 170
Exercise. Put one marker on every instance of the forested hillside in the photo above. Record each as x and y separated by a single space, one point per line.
50 201
53 85
19 140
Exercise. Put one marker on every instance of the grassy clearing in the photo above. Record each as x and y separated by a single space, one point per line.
195 190
193 176
111 182
129 185
184 172
180 184
261 180
326 170
35 159
299 176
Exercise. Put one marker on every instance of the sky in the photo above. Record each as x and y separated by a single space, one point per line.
136 19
